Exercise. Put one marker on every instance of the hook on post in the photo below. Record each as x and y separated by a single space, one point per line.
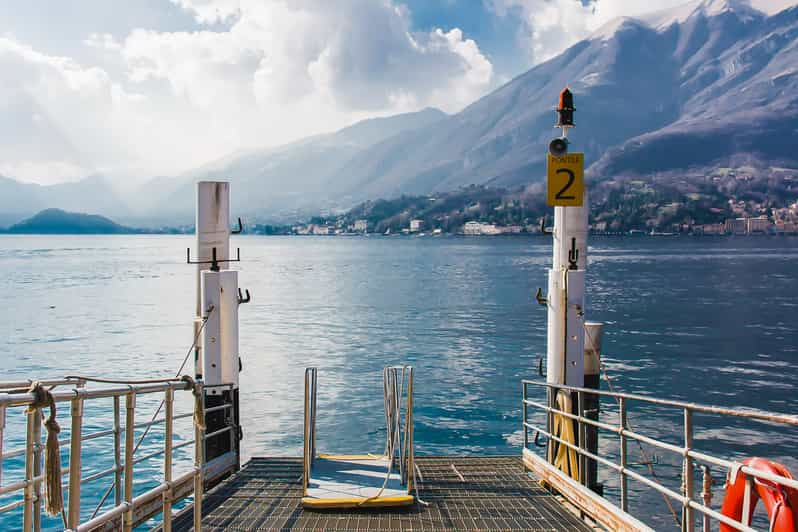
243 300
573 256
543 227
540 298
240 228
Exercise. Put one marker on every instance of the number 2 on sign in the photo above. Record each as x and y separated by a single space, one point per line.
565 186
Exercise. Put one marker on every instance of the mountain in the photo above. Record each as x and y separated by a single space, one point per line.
711 83
93 194
58 222
291 176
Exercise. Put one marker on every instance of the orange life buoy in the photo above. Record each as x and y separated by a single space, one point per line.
780 502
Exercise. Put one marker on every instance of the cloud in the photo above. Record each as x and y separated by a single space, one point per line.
358 55
251 73
551 26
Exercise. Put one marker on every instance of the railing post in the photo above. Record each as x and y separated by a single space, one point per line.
199 440
622 426
525 421
37 471
706 494
27 516
75 444
130 436
581 434
2 431
688 524
167 459
117 453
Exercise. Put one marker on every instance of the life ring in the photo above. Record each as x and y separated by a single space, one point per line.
780 502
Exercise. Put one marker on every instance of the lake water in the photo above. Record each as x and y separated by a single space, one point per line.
699 319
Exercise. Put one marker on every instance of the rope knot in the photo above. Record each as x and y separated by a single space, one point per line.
53 495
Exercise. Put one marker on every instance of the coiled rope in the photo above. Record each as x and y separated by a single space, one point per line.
53 494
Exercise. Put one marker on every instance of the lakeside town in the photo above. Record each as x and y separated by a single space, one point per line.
760 225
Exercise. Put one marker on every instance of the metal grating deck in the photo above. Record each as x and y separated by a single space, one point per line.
495 493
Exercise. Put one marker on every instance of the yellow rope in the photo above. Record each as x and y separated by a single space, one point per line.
53 495
565 458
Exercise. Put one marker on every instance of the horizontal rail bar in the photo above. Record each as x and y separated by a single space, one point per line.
760 415
217 408
645 480
12 385
12 506
217 432
123 507
100 474
24 399
99 434
681 451
181 445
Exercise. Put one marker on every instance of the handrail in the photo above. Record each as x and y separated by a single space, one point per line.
751 413
686 452
128 510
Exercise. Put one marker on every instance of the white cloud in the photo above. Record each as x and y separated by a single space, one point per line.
355 53
550 26
252 73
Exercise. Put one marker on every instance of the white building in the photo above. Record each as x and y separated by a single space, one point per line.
472 228
360 226
416 225
477 228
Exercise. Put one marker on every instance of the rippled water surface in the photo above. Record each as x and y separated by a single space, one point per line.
705 320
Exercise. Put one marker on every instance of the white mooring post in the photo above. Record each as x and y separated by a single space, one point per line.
594 332
213 231
566 297
217 356
565 353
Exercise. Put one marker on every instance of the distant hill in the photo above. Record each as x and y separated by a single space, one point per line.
56 221
674 97
288 178
92 194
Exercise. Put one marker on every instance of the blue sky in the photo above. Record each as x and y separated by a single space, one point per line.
135 88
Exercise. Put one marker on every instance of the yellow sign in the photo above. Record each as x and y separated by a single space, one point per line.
566 184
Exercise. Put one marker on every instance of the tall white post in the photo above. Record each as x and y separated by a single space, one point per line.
566 296
212 333
213 231
228 285
216 358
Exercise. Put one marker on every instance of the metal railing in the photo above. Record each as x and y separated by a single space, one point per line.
128 509
690 457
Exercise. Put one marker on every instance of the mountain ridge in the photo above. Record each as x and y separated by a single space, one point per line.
709 84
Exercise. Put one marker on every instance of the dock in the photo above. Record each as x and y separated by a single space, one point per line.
461 493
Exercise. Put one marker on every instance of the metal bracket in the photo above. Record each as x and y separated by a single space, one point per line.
543 227
543 301
214 262
239 230
573 255
243 300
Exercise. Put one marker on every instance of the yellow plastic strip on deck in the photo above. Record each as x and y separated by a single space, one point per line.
348 481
